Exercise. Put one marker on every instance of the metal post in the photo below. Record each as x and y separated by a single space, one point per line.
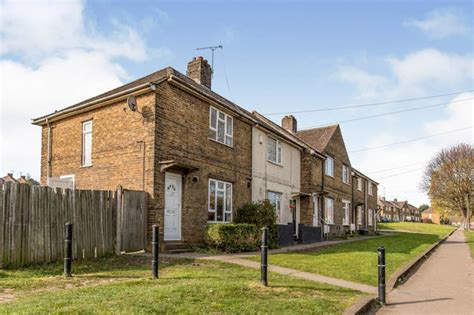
264 257
381 266
154 250
68 250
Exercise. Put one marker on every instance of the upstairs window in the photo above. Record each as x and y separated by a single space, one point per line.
345 174
221 127
370 188
87 143
359 183
329 166
274 150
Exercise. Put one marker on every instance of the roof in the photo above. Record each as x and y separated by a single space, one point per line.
318 137
429 210
157 77
400 203
284 133
359 173
9 178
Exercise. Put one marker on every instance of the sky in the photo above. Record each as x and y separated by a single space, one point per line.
278 57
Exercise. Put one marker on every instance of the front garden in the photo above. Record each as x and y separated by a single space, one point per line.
123 285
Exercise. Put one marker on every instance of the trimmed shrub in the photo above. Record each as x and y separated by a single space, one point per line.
232 237
261 214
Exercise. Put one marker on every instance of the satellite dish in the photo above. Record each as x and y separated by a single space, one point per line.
132 103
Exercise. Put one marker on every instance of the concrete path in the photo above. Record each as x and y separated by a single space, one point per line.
296 273
444 284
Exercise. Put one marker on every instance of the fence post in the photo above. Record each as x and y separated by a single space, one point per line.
381 267
264 257
68 250
155 242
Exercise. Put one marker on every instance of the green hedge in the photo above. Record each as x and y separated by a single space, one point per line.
233 237
261 214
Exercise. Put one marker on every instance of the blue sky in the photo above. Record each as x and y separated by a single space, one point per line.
278 57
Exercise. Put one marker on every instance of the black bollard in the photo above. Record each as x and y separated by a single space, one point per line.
264 257
155 242
381 265
68 250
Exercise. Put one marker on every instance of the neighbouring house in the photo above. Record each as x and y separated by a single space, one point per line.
188 147
9 178
276 168
415 215
431 216
336 199
388 211
20 180
403 210
364 200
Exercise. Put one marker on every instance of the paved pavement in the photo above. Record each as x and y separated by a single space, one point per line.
444 284
296 273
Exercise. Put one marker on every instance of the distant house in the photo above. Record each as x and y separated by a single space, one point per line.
431 216
21 180
415 214
389 211
9 178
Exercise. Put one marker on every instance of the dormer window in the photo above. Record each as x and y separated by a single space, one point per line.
220 127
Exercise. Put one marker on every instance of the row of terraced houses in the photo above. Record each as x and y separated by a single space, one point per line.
397 211
200 157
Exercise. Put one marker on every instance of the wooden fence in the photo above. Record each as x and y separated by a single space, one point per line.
32 223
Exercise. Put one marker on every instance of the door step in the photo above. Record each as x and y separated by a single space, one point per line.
177 247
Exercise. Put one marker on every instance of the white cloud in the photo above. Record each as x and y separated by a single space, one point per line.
413 156
442 23
413 74
52 58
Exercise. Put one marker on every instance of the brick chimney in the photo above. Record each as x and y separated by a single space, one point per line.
289 123
200 71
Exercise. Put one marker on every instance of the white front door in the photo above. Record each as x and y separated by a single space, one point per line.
315 210
172 207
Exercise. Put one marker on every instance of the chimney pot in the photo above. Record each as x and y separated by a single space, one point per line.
289 123
200 71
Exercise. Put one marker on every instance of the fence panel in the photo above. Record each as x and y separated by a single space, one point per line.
32 220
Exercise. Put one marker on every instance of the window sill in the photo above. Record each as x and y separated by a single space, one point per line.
213 140
86 166
218 222
275 163
332 176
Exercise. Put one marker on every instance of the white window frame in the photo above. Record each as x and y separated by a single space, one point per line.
328 211
370 191
329 167
275 199
346 206
359 183
278 151
345 174
72 177
371 217
227 206
228 122
84 158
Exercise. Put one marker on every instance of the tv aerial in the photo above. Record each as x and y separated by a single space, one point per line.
212 49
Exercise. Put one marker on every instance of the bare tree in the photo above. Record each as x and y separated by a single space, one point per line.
447 180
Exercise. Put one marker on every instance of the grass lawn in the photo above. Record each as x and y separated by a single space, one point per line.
357 261
470 241
123 285
416 227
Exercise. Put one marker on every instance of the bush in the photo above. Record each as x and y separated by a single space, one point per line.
232 237
260 214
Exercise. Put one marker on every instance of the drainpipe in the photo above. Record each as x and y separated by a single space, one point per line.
320 214
48 157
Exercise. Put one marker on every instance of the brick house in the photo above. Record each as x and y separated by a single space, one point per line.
431 216
364 201
188 147
415 215
337 198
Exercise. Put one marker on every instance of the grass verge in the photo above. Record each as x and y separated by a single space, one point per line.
470 241
123 285
357 261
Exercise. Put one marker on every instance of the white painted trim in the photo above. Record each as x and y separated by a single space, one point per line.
179 237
